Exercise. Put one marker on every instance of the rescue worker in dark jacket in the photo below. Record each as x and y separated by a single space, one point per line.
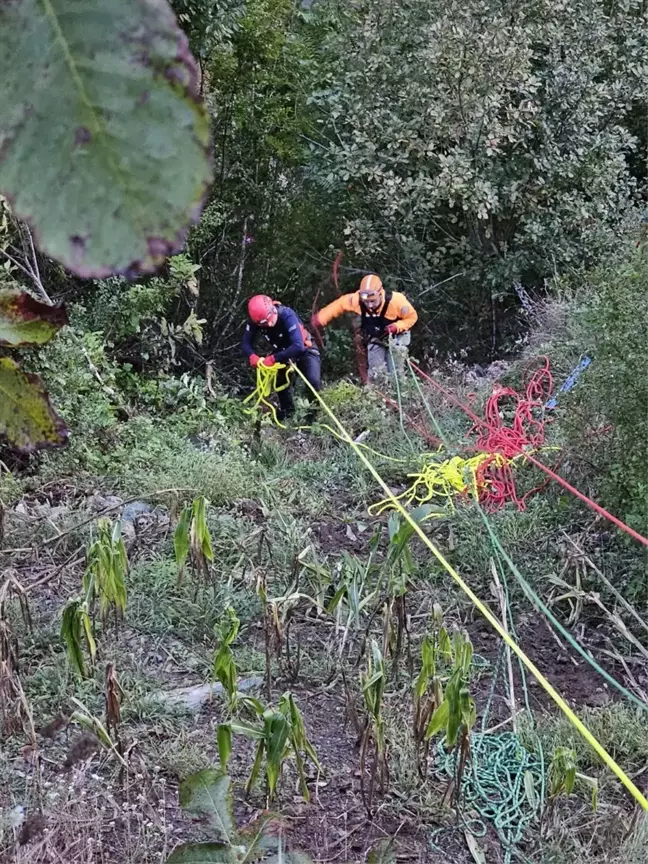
288 340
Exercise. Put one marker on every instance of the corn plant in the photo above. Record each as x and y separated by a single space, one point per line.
400 567
15 709
280 735
436 655
84 717
278 618
354 593
192 538
113 695
105 571
562 772
77 632
11 589
224 665
103 580
277 615
318 578
563 776
456 715
373 735
262 594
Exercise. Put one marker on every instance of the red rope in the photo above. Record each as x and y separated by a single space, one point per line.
597 507
495 481
525 431
526 428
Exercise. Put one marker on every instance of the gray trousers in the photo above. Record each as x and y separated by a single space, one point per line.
379 358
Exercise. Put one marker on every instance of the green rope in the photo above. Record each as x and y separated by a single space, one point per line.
435 423
535 599
398 396
493 784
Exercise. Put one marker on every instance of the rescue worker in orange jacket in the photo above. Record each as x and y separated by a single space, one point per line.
384 315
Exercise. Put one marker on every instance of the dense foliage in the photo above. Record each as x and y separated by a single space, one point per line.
487 158
456 148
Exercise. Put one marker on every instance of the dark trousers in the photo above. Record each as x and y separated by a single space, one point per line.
310 365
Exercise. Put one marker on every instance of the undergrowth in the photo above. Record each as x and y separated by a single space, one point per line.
316 586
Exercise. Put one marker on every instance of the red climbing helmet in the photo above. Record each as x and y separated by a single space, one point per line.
262 310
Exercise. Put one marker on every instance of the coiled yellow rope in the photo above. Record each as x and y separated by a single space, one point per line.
266 385
440 480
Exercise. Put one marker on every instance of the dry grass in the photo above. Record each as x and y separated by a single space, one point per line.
82 818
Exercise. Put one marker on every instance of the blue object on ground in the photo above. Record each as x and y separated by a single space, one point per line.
569 383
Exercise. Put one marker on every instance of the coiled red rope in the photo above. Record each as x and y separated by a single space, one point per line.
524 432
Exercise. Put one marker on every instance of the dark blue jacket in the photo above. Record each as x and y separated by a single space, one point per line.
289 338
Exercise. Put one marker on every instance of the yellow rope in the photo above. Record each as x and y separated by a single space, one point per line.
439 480
266 385
445 479
486 612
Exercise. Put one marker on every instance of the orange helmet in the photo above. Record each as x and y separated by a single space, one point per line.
262 310
371 288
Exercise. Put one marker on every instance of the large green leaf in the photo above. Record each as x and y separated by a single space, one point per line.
206 795
203 853
181 539
105 143
27 420
439 720
26 321
224 739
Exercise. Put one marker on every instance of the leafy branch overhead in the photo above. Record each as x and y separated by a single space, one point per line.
100 107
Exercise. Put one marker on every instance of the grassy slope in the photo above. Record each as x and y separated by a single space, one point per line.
271 500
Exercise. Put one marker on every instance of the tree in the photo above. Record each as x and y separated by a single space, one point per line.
267 226
480 143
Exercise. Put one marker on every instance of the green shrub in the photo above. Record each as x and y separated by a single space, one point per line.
80 379
613 327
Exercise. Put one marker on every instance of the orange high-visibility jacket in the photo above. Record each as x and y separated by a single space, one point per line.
399 311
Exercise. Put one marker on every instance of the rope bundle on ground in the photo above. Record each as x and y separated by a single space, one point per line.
493 785
526 434
443 479
502 441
